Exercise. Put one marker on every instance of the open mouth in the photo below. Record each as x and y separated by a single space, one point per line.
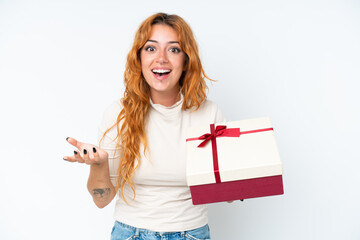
161 72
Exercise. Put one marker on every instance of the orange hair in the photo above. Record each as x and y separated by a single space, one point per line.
137 93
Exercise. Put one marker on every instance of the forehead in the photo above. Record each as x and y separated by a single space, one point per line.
163 33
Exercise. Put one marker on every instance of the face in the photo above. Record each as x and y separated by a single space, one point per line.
162 61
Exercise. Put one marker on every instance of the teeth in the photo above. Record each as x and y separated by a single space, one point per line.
161 71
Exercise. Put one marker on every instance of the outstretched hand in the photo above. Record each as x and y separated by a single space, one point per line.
86 153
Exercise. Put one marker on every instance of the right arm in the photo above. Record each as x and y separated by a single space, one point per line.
99 184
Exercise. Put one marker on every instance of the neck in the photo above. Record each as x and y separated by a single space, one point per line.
165 99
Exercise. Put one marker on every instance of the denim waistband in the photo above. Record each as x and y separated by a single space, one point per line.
138 230
124 231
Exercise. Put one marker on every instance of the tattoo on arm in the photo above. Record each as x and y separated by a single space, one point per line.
101 193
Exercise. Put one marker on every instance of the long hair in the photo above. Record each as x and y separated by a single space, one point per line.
131 130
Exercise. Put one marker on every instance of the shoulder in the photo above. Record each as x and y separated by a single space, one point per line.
210 111
209 105
111 113
114 108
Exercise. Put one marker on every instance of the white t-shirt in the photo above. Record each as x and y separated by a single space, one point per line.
163 201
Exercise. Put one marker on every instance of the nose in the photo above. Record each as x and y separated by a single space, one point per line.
162 57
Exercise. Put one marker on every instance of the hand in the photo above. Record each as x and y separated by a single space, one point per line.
86 153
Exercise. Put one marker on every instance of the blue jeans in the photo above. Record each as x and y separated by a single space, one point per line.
122 231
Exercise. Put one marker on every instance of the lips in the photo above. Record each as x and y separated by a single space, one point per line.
161 73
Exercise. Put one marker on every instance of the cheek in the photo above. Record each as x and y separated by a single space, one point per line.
142 60
145 59
180 62
143 66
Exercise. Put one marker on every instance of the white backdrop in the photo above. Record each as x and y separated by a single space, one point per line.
61 64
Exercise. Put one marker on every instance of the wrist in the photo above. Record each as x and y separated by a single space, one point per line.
99 166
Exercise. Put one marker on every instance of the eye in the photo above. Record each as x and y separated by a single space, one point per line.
149 49
175 50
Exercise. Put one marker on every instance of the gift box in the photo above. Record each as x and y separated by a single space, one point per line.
233 160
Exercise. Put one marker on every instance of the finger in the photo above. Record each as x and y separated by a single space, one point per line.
75 158
95 151
90 155
70 158
78 157
85 155
95 154
74 142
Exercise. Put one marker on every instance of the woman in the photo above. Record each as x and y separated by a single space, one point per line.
141 155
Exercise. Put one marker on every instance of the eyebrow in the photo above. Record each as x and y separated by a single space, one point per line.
158 42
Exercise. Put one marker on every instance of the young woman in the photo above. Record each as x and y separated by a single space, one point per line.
141 155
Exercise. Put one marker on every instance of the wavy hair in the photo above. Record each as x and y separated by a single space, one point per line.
131 120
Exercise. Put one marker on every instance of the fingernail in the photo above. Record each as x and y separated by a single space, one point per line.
65 159
85 152
67 138
75 152
94 150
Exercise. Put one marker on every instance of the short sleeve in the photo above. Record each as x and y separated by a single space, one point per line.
107 140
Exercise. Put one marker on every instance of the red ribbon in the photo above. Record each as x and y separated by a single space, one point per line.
221 131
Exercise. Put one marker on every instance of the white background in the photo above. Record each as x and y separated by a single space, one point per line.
298 62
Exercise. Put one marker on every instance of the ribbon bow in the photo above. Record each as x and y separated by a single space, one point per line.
220 131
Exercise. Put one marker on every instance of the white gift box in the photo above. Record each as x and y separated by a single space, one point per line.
239 160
